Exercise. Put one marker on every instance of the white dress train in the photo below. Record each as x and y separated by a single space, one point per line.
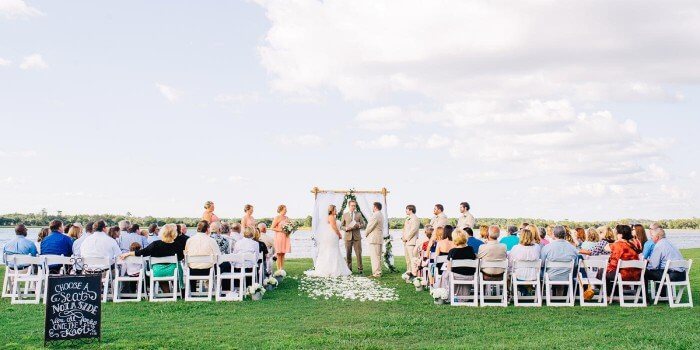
330 261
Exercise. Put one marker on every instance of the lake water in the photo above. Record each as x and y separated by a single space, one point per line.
303 245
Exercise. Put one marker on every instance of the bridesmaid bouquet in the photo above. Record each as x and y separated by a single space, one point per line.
290 227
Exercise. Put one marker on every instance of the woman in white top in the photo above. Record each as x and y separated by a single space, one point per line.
527 249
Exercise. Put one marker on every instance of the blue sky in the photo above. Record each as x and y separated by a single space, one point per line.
528 110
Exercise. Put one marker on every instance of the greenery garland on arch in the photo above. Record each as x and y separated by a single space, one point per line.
388 255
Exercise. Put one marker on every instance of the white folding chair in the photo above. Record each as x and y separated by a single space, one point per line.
533 300
121 277
638 286
207 280
27 283
155 293
568 282
500 298
440 259
234 260
50 260
592 269
252 258
460 280
100 265
9 275
424 269
673 296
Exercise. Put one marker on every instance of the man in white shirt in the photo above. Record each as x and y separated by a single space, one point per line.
89 229
100 245
466 219
270 243
440 219
198 245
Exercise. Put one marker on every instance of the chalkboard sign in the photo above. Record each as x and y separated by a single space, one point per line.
73 307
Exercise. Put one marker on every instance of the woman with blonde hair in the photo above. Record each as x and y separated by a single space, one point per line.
536 231
592 239
484 232
527 249
209 215
74 232
607 237
283 243
248 219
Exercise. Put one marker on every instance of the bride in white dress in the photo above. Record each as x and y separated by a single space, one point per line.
329 262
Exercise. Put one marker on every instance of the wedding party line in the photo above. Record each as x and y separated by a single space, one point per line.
229 260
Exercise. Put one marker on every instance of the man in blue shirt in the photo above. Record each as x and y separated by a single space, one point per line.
512 239
663 252
18 245
475 243
559 250
56 243
126 238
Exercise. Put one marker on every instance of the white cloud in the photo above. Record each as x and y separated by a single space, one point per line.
382 118
4 62
304 140
170 93
237 179
33 61
18 9
382 142
238 98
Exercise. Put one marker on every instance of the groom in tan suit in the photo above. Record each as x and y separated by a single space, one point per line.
375 235
352 223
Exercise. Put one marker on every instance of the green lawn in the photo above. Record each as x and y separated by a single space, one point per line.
286 319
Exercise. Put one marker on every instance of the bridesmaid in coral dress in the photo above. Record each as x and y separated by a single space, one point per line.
283 244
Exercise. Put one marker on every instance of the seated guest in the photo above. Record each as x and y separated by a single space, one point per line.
264 253
42 234
592 239
269 243
19 245
492 251
484 233
472 241
74 232
113 232
580 236
201 244
152 233
623 249
640 236
164 247
247 245
100 245
461 251
222 241
78 242
511 240
421 251
543 237
236 232
558 250
181 239
526 250
607 237
444 243
663 252
56 243
128 234
134 269
535 231
648 246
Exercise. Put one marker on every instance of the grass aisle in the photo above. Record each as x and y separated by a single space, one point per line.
288 319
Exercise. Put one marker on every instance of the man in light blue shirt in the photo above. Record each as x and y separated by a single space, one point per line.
559 250
19 245
126 238
663 252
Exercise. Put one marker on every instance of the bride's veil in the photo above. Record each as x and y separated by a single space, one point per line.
320 228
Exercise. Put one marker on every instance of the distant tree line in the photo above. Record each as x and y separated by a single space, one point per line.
43 219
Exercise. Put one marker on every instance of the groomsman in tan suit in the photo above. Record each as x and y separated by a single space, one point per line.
352 223
375 235
440 219
466 219
410 233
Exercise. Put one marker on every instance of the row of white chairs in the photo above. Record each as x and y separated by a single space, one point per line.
29 283
590 272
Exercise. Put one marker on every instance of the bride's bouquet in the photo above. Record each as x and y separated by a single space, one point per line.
290 227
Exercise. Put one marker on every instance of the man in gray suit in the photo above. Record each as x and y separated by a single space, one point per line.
352 223
375 235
